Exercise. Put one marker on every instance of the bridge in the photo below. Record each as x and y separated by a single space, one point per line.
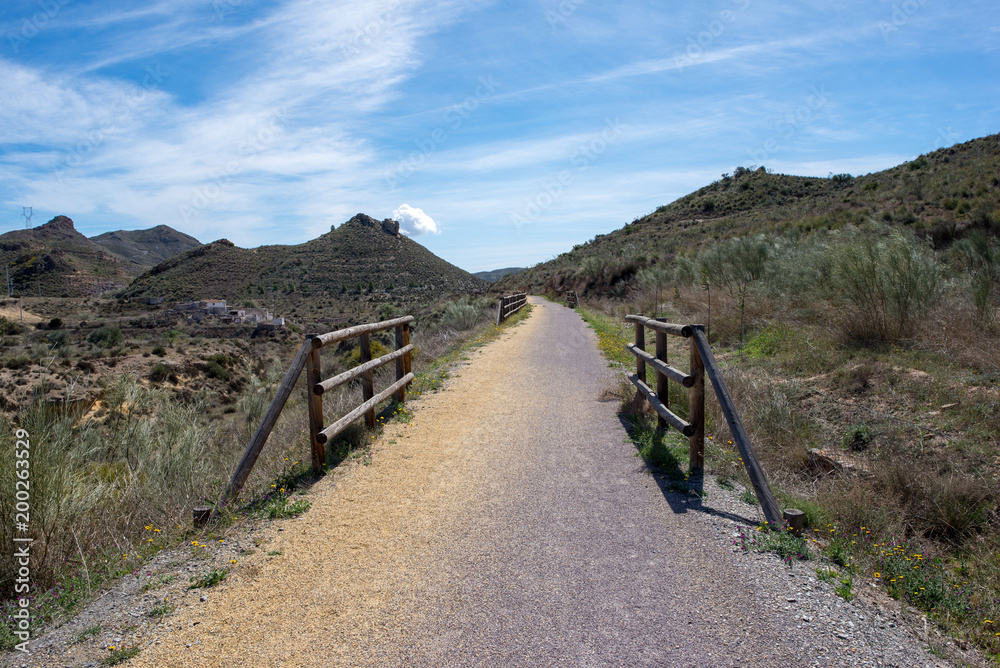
511 524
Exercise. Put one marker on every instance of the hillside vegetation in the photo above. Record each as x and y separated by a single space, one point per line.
146 247
54 260
363 263
940 197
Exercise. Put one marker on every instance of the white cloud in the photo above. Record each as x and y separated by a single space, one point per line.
413 221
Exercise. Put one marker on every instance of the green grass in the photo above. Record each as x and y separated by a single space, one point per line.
119 655
209 579
88 632
160 610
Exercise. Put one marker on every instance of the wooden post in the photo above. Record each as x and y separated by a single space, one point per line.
406 341
662 386
696 411
640 343
256 444
500 311
368 378
200 516
795 519
400 365
314 372
772 513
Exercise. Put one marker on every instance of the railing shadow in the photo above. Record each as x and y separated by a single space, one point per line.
683 493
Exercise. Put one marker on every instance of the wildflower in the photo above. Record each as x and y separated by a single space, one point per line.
877 574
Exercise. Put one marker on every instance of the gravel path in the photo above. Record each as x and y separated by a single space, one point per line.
513 525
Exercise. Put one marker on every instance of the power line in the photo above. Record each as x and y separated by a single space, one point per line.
27 214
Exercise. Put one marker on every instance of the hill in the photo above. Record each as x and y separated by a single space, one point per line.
55 260
146 247
361 260
497 274
941 196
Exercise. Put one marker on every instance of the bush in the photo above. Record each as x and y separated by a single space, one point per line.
55 323
159 373
461 315
8 326
18 362
58 339
215 370
106 337
886 283
159 351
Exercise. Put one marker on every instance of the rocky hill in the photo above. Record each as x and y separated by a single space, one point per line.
146 247
941 196
362 257
497 274
55 260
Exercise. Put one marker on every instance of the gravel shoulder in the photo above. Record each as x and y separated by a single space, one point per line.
513 524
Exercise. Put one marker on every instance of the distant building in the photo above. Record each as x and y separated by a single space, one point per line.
200 310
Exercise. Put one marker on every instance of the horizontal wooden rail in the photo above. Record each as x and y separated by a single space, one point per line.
369 405
670 372
322 340
656 325
357 371
672 419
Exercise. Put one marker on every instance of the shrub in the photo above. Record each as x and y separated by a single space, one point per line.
461 315
215 370
55 323
106 337
58 339
886 283
17 362
159 373
159 351
8 326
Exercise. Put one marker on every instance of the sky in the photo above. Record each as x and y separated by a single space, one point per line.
498 133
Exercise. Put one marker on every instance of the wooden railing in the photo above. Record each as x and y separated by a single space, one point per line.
702 363
510 304
308 357
572 300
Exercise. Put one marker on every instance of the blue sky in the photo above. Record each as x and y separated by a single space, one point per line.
500 133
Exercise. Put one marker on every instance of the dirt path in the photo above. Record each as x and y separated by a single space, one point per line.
510 525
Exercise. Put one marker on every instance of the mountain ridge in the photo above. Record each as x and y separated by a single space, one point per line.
941 196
